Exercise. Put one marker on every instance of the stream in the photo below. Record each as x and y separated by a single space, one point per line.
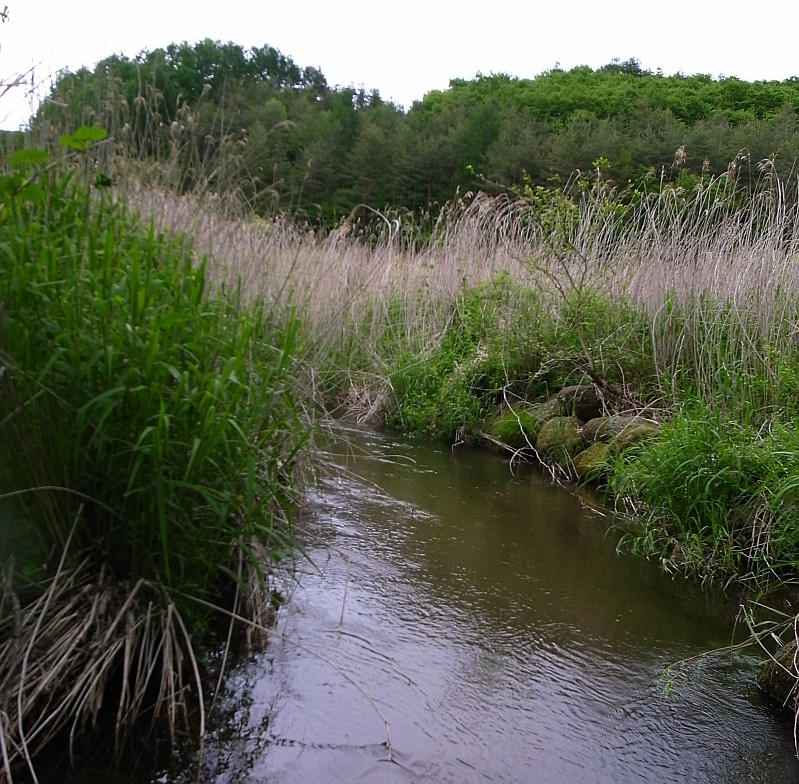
460 622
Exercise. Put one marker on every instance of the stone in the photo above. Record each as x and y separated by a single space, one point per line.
559 440
583 401
548 409
588 463
607 428
778 675
632 434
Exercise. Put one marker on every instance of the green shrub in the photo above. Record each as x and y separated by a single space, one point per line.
488 348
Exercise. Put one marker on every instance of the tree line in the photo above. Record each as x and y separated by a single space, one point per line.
319 151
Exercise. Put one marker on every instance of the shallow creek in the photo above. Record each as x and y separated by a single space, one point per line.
464 624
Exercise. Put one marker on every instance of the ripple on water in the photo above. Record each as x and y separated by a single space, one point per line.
431 644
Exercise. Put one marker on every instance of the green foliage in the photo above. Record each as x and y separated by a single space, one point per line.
503 343
779 522
83 138
319 152
701 492
152 422
20 184
437 395
27 158
449 387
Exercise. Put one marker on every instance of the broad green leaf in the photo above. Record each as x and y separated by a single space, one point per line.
82 138
32 156
32 193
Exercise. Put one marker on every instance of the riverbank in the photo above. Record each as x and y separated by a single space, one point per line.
686 325
676 306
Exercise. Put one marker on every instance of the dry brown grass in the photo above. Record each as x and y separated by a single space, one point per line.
718 285
59 665
93 658
686 250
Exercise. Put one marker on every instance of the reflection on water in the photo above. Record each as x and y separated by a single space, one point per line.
466 625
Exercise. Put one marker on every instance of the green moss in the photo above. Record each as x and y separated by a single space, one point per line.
592 461
517 427
559 440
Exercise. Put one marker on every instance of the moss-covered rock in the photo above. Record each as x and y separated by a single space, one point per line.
597 429
778 676
607 428
546 409
579 401
632 434
559 440
516 427
588 463
554 429
583 402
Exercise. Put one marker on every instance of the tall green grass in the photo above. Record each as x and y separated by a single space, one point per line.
714 498
154 447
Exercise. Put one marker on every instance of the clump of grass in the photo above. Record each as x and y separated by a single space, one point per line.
154 449
517 427
701 491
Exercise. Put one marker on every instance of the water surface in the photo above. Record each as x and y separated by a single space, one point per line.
465 624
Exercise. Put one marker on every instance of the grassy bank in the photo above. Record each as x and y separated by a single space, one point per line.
154 447
681 303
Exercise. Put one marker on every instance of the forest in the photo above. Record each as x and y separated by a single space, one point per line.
295 144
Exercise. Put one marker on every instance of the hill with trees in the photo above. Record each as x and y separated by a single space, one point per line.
292 142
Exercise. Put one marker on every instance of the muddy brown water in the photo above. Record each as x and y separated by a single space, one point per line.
467 624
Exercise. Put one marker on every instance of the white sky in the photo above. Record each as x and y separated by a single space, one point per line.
404 49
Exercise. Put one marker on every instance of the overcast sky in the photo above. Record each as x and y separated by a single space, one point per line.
404 49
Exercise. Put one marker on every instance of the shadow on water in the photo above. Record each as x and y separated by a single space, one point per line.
467 625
